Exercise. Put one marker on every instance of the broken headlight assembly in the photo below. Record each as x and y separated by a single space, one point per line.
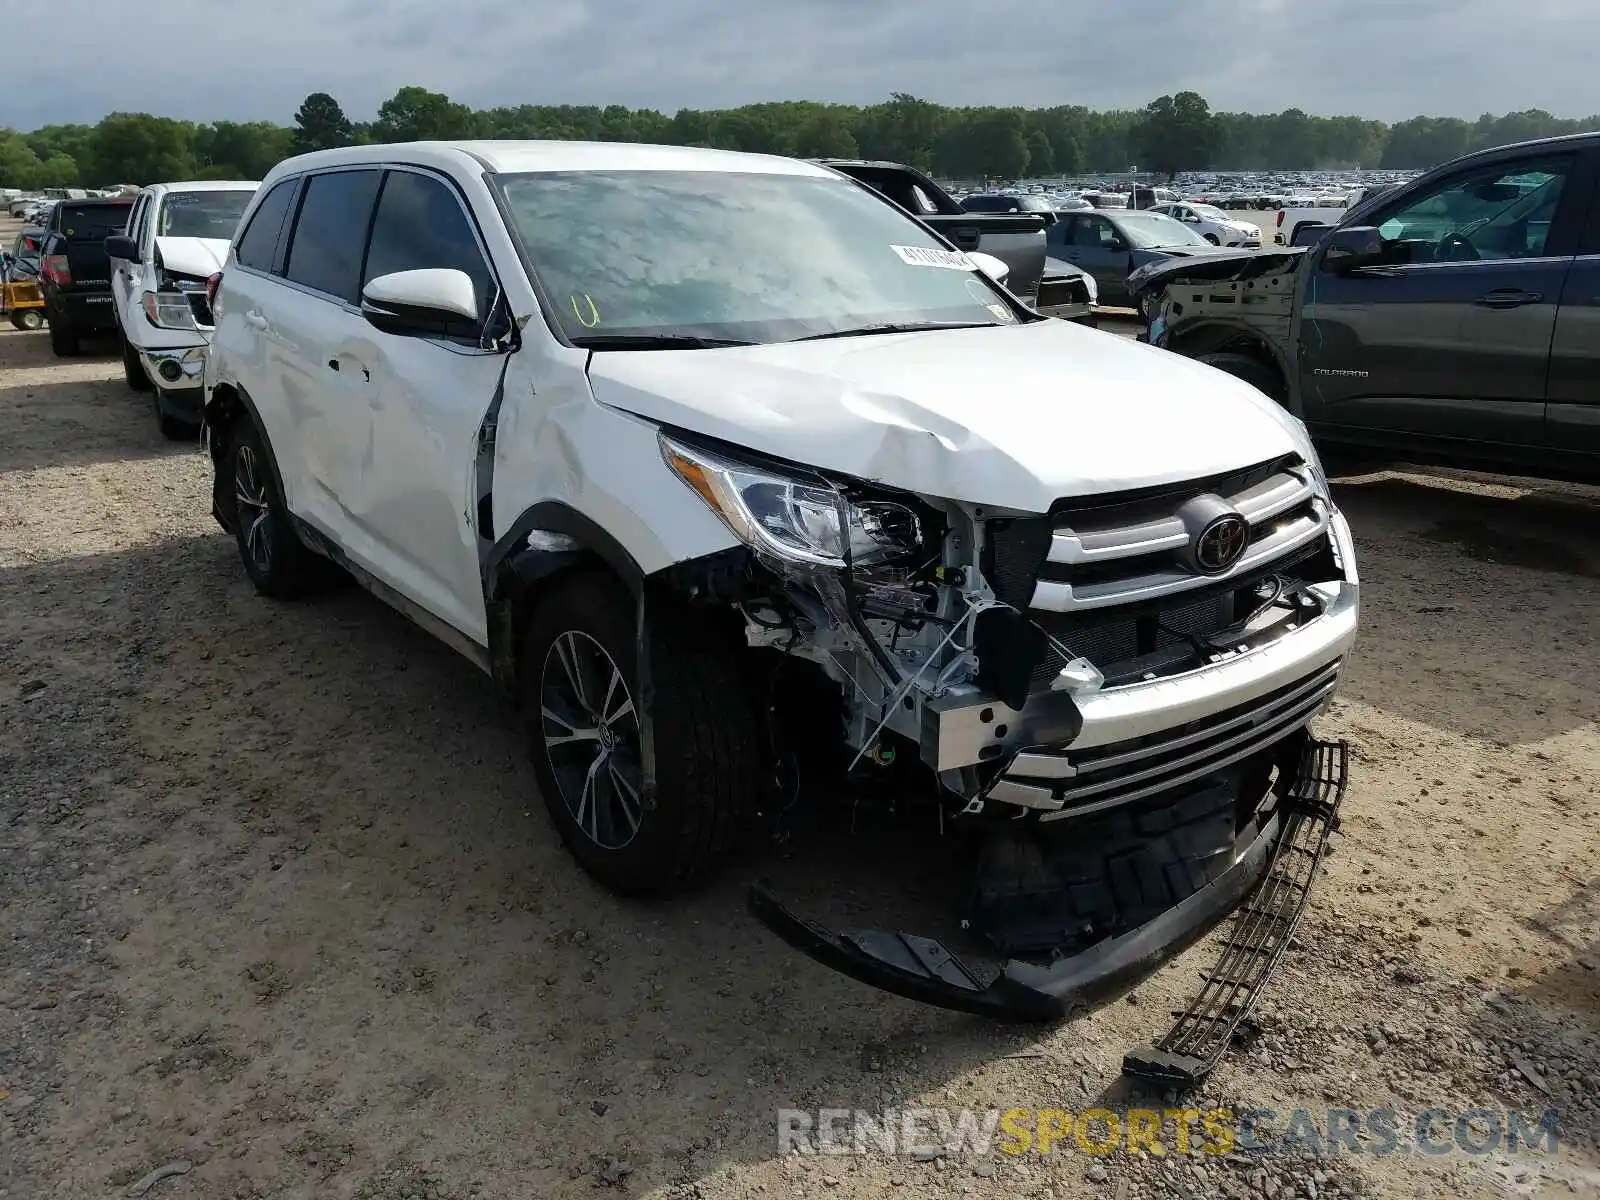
796 518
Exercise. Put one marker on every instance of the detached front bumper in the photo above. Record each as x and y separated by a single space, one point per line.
1033 989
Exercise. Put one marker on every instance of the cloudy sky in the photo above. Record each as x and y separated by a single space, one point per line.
256 59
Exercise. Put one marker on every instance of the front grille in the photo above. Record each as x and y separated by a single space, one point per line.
1111 578
1134 547
1103 776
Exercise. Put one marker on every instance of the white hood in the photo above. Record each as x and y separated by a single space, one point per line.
1011 417
192 255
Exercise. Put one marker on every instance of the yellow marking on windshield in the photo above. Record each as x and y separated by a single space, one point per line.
592 318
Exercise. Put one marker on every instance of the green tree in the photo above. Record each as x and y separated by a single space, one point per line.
827 135
19 165
414 114
250 149
1041 154
1174 133
320 124
140 148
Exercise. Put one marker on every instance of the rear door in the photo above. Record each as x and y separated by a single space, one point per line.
1451 342
309 313
1572 408
409 509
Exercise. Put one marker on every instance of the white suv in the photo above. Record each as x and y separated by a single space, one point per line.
177 238
724 464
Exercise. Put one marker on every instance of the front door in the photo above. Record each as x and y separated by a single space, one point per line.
1091 242
1450 339
412 509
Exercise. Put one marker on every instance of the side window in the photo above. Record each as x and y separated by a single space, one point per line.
921 204
140 222
259 241
133 217
1499 212
1060 234
421 224
325 248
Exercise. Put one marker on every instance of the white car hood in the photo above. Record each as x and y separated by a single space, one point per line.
1008 417
192 255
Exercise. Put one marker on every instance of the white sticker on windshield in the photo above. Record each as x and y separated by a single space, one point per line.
927 256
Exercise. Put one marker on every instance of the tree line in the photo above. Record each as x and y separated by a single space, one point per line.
1171 134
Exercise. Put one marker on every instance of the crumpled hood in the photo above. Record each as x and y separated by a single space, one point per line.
191 255
1008 417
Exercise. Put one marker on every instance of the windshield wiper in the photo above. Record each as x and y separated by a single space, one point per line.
653 341
906 327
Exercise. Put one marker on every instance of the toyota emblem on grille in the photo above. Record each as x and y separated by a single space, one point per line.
1221 543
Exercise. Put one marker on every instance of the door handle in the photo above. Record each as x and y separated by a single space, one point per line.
1508 298
966 237
255 320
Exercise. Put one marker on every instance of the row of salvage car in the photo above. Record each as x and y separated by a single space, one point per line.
742 519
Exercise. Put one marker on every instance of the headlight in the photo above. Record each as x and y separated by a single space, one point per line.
801 520
169 310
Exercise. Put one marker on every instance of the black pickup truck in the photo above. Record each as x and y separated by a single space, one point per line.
1015 238
76 274
1453 319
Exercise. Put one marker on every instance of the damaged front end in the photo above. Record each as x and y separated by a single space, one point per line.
1111 698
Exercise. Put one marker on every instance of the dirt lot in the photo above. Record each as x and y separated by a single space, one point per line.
279 900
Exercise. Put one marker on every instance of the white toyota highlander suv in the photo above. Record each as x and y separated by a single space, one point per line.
727 468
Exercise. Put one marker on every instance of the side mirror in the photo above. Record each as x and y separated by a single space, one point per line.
1351 248
996 269
1192 218
120 245
432 302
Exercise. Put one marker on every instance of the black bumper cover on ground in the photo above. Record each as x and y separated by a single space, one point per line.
922 969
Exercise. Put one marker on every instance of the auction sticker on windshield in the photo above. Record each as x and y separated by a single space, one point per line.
928 256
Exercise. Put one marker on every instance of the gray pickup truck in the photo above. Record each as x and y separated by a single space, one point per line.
1017 239
1451 320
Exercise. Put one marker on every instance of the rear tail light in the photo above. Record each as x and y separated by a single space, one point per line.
1280 218
213 283
56 270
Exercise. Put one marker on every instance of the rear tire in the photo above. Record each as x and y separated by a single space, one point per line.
581 644
274 557
132 368
63 338
1262 376
27 318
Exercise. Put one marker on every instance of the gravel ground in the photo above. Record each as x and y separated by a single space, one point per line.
280 903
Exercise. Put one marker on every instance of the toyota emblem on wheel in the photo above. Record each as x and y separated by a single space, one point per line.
1222 543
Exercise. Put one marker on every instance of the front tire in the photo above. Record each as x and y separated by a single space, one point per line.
1262 376
580 685
132 368
174 429
275 559
1213 239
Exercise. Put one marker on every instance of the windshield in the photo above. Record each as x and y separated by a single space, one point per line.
1149 231
202 214
735 257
